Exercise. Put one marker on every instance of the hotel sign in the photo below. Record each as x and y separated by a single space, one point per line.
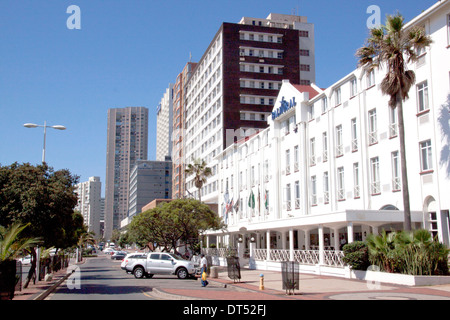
284 107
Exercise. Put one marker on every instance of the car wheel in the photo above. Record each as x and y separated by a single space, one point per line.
138 272
182 273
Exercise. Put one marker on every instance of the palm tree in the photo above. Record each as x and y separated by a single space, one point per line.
394 46
200 172
11 245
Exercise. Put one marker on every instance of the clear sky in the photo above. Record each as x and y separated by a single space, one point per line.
125 54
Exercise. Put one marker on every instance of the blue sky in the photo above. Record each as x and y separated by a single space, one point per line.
125 54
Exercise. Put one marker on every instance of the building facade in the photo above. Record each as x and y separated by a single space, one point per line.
164 125
178 182
149 180
327 171
89 203
127 142
233 87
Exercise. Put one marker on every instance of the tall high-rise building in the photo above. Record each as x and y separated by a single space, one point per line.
179 130
233 88
89 203
164 125
127 142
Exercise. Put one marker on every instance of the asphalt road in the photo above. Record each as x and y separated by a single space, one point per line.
101 278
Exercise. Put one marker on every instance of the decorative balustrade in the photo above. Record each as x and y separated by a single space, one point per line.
311 257
331 258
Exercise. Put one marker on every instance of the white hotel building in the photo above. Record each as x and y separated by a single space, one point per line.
328 164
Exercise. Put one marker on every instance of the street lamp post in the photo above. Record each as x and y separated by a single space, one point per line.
32 125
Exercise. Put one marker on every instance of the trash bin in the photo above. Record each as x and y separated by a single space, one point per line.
234 269
290 273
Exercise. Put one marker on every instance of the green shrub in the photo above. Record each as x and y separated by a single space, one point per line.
356 255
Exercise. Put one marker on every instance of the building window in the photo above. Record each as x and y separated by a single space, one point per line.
313 191
354 135
353 87
396 186
337 92
288 197
305 67
288 161
297 194
356 188
312 150
426 155
375 176
324 105
340 184
370 79
304 53
373 127
296 159
339 141
393 126
304 34
326 188
422 97
325 146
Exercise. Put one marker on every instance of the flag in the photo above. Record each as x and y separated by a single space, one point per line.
266 199
236 206
251 200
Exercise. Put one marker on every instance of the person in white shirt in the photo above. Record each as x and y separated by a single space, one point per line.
204 265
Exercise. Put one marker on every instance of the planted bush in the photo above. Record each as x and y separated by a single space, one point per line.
356 255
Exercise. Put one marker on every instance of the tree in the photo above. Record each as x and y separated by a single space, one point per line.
44 199
201 172
11 245
394 46
172 224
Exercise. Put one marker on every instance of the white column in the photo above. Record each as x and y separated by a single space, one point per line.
350 232
291 244
336 239
307 240
283 240
321 245
268 244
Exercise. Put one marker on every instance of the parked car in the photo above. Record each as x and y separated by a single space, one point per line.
25 260
160 263
130 259
119 255
109 251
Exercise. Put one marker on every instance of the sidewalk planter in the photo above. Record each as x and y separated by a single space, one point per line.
7 279
397 278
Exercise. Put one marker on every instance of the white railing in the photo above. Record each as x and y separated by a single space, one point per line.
260 254
311 257
306 256
334 258
279 255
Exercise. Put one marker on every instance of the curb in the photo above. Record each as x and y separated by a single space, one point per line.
44 294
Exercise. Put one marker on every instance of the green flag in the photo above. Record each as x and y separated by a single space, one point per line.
251 200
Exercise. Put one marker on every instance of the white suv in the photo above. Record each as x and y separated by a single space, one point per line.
158 263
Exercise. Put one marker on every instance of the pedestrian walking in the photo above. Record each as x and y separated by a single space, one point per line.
204 265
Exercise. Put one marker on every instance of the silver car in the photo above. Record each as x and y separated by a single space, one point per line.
159 263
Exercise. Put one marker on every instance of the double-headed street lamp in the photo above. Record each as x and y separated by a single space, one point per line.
32 125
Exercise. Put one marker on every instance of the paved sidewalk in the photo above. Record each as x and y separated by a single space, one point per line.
312 287
41 289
